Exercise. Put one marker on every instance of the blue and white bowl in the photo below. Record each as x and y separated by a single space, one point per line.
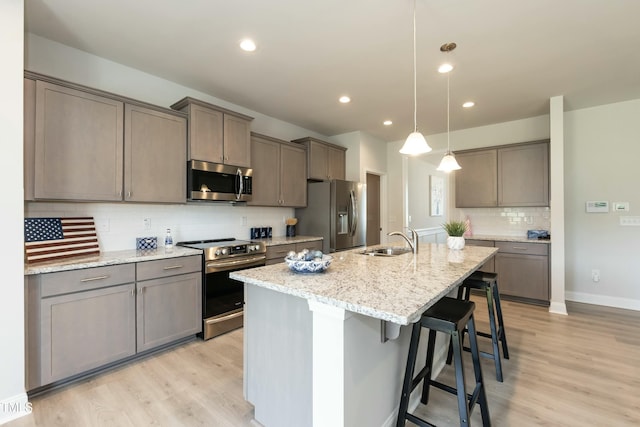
316 265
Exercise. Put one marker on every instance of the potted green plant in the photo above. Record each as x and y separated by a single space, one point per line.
455 231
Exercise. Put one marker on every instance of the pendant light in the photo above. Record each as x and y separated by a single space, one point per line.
415 143
448 162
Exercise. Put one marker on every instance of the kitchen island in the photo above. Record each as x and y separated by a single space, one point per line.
329 349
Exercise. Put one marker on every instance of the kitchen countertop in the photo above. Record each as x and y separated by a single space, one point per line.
522 239
108 258
397 289
284 240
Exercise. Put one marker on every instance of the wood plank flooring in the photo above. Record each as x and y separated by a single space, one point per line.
576 370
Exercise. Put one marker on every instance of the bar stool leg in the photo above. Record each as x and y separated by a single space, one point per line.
494 333
408 375
463 406
477 369
501 333
426 386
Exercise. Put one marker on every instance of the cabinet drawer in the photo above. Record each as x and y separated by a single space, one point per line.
168 267
65 282
280 251
475 242
523 248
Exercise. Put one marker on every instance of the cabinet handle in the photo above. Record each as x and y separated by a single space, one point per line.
173 267
519 248
133 292
140 290
91 279
128 194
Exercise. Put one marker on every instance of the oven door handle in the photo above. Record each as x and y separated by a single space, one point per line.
255 261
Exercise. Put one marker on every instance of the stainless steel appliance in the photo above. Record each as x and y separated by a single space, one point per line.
336 211
222 297
217 182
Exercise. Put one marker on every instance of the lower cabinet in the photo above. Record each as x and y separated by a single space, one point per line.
276 253
168 308
522 268
83 319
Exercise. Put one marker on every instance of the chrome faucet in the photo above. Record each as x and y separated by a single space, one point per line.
413 242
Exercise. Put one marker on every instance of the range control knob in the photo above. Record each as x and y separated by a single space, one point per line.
218 252
225 251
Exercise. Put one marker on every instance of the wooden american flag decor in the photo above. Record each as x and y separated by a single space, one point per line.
48 239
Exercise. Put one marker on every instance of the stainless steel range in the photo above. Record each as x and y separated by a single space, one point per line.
222 297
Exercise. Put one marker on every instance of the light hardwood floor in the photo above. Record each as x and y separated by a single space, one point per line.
576 370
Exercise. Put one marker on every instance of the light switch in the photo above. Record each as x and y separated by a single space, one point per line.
630 221
597 207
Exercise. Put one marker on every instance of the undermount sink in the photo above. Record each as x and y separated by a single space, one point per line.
387 251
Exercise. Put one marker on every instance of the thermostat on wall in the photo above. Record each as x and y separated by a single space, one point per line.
597 207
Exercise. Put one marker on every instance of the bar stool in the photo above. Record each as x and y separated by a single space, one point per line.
451 316
487 282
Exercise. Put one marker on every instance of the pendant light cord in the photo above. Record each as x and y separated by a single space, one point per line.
415 84
448 113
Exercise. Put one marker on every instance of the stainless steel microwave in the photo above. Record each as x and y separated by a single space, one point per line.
218 182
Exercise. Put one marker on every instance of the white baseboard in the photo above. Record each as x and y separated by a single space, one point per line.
626 303
14 407
558 307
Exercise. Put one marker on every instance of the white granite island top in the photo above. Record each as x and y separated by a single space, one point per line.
396 289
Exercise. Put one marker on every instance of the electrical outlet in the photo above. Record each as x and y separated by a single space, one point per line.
595 275
102 225
244 220
146 223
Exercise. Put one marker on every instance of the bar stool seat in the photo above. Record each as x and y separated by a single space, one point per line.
488 282
451 316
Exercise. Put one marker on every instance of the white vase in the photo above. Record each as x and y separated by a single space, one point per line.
455 243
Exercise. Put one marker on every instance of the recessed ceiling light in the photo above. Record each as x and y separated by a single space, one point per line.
445 68
247 45
468 104
345 99
387 123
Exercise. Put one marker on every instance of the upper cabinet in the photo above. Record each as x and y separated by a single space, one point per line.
279 172
510 176
78 144
153 142
82 144
325 161
216 135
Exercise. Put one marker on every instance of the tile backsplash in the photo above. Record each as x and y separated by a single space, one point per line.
507 221
119 224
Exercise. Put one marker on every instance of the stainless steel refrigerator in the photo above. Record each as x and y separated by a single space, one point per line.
336 211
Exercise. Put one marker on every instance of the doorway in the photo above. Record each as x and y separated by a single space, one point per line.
373 209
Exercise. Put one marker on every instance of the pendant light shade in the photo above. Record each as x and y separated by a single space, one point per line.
448 162
415 143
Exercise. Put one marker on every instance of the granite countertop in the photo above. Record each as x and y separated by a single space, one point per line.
109 258
284 240
397 289
522 239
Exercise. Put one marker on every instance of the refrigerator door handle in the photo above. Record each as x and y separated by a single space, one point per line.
354 213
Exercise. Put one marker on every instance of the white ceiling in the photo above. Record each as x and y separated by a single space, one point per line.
512 56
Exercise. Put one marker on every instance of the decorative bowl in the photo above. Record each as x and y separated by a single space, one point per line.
313 266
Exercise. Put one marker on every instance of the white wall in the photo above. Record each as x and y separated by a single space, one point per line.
13 399
602 149
120 223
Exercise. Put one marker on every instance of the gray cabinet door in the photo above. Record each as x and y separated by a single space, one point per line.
237 141
476 183
155 156
85 330
168 309
266 172
317 163
525 276
29 137
293 173
205 134
78 145
336 163
523 175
